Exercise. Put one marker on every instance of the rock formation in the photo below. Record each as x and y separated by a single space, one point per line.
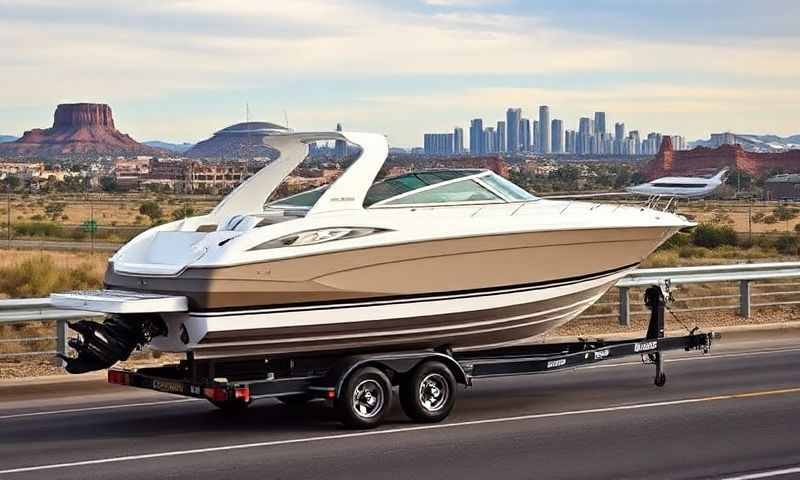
79 130
671 162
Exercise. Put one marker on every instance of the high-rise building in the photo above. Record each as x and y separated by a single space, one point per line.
501 136
599 123
458 140
525 134
340 146
489 140
635 143
557 136
438 143
513 138
476 136
570 141
583 145
537 135
544 127
619 137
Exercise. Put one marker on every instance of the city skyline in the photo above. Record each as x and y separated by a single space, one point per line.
178 71
514 135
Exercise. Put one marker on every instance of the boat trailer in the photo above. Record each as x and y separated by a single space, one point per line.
360 384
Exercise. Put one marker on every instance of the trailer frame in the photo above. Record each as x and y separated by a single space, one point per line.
233 383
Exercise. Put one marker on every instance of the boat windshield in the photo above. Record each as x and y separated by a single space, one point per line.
394 186
464 186
303 200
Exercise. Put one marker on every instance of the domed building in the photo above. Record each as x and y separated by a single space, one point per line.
242 141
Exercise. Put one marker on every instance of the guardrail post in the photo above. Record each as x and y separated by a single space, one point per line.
624 306
61 339
744 298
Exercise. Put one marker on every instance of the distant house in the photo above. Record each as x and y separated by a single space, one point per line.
783 187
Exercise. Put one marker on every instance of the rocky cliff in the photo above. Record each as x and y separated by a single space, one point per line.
671 162
79 130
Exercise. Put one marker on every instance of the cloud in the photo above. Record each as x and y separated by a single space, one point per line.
150 53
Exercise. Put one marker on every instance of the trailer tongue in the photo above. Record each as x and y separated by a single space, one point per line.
360 384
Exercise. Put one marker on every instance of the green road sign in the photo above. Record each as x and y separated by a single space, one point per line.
89 226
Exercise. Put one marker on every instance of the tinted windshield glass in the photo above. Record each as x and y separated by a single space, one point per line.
394 186
507 188
301 200
462 191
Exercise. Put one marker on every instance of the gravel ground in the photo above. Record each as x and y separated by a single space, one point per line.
36 366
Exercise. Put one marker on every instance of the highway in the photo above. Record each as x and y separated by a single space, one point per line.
732 414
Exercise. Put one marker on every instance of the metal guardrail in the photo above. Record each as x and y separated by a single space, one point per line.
40 309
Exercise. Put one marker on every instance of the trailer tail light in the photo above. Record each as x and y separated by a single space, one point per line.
217 394
119 378
242 393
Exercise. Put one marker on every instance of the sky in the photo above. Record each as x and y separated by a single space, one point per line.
180 70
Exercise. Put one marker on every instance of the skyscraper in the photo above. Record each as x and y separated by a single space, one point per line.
544 127
583 142
476 136
619 138
513 140
557 136
458 140
525 134
489 140
537 135
599 123
501 136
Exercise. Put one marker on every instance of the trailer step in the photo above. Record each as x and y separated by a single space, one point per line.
119 301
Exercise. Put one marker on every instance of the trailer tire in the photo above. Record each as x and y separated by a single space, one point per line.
365 398
427 394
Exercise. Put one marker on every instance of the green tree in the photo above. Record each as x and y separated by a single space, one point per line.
152 210
108 184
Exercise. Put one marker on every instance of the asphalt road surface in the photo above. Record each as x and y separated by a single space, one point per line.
732 414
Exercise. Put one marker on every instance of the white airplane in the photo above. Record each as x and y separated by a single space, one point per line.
681 187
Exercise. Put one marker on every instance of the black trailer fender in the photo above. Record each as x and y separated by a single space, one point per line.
393 362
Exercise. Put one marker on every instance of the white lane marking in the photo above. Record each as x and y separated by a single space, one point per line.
394 431
610 365
102 407
767 474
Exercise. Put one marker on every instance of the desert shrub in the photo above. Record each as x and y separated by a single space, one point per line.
788 244
38 229
713 236
676 241
183 212
40 276
758 217
797 228
690 251
770 219
784 213
152 210
37 218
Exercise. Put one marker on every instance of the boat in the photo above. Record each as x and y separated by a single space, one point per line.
457 259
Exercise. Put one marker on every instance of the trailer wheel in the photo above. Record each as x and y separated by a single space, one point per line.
427 394
230 406
295 400
661 379
364 399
